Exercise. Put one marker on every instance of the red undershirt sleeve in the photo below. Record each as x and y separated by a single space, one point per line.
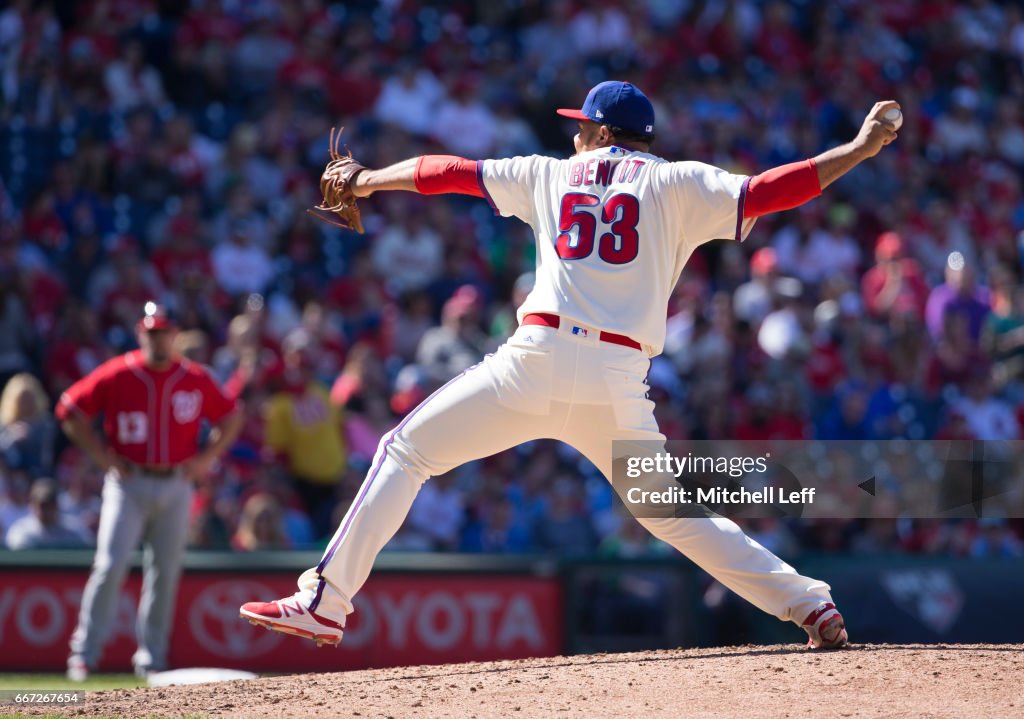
781 188
440 174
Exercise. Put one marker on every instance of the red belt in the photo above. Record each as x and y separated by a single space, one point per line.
548 320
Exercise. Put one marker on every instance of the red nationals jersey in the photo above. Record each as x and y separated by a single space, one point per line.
150 417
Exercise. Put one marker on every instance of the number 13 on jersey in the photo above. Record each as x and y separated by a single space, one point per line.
620 213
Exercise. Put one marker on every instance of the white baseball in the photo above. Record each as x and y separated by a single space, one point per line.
894 117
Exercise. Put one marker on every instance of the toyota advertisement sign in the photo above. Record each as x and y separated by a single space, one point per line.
400 619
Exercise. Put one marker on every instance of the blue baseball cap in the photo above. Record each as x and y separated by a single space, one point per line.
618 104
156 317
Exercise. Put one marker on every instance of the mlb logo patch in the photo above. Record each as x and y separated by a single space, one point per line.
581 331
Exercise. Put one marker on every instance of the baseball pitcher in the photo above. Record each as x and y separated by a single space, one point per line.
153 404
614 226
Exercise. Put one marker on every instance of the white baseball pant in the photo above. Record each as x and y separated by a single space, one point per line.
542 383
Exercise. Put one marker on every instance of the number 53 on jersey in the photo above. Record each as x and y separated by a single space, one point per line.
578 228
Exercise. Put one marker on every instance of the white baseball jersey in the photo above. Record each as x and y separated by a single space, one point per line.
614 229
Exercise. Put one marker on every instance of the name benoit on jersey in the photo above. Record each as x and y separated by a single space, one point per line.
604 172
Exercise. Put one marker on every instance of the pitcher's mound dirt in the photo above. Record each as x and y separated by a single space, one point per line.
778 681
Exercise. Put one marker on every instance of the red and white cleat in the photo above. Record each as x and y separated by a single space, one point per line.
290 616
78 670
826 628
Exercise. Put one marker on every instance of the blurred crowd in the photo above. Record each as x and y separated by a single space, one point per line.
168 150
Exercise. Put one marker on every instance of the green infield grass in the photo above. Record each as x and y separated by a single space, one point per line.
95 682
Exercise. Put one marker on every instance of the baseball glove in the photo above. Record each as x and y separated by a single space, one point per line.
339 204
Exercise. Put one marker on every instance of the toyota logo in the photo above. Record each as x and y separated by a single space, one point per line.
213 618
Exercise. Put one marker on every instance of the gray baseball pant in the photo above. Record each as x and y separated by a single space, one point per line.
153 510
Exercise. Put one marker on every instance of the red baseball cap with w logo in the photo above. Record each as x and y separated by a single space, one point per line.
618 104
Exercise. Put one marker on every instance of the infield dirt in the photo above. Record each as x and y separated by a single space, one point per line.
749 681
